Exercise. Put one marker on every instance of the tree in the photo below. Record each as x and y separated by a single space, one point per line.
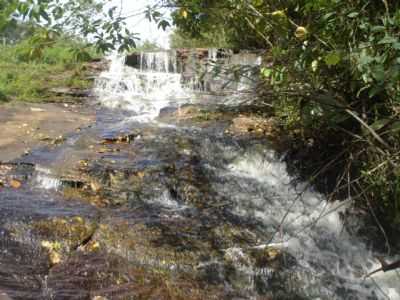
147 45
180 39
83 18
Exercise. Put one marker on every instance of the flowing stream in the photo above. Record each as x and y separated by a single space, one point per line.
176 204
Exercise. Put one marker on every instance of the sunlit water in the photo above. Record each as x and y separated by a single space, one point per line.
331 263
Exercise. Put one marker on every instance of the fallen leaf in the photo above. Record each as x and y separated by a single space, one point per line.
55 258
15 184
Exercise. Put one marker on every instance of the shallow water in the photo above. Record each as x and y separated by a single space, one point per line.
179 197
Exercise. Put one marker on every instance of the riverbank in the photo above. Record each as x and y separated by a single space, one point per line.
48 117
26 126
57 72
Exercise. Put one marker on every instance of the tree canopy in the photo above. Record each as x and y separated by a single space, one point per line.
90 19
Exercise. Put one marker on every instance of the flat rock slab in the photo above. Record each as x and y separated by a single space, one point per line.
27 126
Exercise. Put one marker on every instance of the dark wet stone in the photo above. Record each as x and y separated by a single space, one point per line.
23 269
110 276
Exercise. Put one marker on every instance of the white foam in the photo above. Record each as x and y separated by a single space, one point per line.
44 179
156 84
143 91
166 201
312 230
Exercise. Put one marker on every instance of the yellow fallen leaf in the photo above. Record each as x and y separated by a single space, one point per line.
15 184
46 244
55 258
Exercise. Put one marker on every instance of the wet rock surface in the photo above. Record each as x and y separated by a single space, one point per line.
155 225
25 127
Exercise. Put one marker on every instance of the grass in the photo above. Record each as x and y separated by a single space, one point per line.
27 78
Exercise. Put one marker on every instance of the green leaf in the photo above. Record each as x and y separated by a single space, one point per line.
266 72
378 72
388 40
395 127
365 59
44 15
379 124
353 15
163 24
332 59
378 28
375 90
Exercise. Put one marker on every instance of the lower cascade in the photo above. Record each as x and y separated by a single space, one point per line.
175 192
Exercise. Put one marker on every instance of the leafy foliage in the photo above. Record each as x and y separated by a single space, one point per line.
80 18
179 39
27 77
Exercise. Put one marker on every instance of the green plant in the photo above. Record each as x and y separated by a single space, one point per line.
27 77
80 18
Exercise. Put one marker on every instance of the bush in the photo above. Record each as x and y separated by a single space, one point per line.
35 65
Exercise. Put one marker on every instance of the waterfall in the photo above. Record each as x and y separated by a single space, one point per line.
159 80
143 91
309 227
162 61
45 179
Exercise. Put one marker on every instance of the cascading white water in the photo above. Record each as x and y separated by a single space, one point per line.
155 84
44 179
143 91
331 261
212 54
162 61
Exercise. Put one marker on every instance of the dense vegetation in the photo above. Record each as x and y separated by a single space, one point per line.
333 67
182 39
36 64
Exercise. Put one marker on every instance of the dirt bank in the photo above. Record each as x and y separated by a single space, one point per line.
25 126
